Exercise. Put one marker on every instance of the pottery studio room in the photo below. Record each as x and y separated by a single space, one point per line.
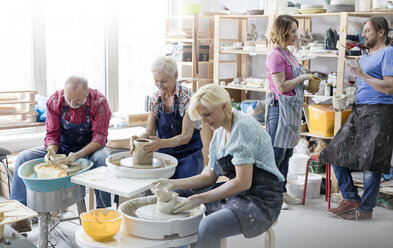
196 123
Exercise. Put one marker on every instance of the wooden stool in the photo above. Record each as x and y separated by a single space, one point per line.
315 157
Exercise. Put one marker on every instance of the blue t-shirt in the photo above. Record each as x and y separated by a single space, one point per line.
377 65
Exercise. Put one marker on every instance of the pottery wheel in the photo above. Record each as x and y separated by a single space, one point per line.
149 212
73 168
128 162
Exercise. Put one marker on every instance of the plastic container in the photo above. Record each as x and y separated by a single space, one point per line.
296 187
298 163
246 104
321 119
191 8
101 224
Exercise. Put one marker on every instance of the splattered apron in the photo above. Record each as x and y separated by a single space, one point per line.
188 155
74 136
257 208
365 141
290 112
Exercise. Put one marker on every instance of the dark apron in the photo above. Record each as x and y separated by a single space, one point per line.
257 208
170 125
365 141
74 136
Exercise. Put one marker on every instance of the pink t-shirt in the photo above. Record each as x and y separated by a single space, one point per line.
277 62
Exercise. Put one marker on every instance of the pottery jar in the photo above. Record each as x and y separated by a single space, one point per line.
139 156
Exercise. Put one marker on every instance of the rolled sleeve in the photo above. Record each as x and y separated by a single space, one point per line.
100 123
52 124
243 155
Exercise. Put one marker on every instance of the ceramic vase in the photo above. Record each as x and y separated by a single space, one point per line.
139 156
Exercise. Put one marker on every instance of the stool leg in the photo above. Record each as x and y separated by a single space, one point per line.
330 185
224 243
270 238
305 184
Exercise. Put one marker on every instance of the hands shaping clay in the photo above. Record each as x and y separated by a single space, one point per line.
165 200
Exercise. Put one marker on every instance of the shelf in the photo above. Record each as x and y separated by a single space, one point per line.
245 88
369 14
18 101
185 40
243 16
317 96
21 125
20 112
352 57
245 52
317 15
19 91
314 135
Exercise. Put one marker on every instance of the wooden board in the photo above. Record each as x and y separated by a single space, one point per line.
15 211
137 120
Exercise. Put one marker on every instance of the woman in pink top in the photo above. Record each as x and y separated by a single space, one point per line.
285 101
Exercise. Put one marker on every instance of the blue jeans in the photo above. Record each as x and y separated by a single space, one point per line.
18 191
215 226
371 182
281 155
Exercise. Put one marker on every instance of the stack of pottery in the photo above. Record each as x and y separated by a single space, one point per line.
337 6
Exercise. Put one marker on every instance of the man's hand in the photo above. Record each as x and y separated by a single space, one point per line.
190 203
50 153
355 69
71 158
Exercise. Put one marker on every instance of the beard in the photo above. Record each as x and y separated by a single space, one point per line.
76 106
370 42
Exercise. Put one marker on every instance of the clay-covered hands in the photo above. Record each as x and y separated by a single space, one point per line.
50 153
313 84
163 183
355 69
188 204
134 137
72 157
153 146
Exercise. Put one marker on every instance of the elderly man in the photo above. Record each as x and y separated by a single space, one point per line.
77 125
365 141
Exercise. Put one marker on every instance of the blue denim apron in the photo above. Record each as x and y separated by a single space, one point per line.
189 155
257 208
74 136
290 111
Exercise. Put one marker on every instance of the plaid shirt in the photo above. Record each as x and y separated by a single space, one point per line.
182 93
100 115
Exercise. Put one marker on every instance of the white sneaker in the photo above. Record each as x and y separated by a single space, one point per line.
284 206
288 199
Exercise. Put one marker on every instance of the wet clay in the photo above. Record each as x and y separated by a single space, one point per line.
140 157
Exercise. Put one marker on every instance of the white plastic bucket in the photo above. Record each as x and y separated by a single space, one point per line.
296 187
298 163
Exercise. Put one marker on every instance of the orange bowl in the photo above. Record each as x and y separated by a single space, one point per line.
101 224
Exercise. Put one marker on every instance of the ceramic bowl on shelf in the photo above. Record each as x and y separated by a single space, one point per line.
312 11
255 12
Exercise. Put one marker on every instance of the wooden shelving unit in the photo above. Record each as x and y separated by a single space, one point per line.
23 113
195 39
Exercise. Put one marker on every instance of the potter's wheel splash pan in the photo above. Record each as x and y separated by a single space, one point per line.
158 229
167 171
26 172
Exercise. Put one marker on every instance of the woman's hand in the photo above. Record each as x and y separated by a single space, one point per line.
163 183
134 137
188 204
153 146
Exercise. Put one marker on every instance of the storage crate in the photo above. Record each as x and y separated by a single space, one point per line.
321 119
316 167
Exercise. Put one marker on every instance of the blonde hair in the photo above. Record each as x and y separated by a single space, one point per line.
166 65
280 30
211 96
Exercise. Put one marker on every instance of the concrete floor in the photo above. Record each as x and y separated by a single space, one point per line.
301 226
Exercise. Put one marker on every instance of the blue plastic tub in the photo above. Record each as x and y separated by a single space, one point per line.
26 172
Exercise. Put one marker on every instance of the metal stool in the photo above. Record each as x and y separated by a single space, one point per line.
4 161
315 157
270 238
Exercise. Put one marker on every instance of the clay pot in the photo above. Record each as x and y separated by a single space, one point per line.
166 200
139 156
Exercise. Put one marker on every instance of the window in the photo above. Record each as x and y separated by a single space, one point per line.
141 40
75 42
16 45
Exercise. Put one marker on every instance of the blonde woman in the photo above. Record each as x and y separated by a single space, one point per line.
285 100
250 202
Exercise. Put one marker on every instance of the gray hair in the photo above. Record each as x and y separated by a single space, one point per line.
166 65
75 81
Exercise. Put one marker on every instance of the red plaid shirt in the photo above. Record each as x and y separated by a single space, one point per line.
100 115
